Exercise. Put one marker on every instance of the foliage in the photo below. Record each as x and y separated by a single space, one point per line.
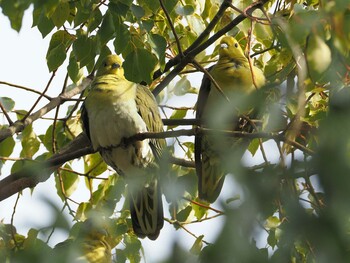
299 204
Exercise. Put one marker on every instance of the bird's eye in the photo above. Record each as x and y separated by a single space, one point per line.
115 65
236 45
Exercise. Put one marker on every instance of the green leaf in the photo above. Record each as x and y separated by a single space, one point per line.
132 248
188 182
185 10
271 239
66 182
43 23
147 24
254 146
318 56
199 211
197 245
122 35
107 29
30 142
170 4
137 11
83 12
95 20
196 24
94 165
8 103
183 214
56 53
182 87
83 210
84 49
118 8
272 222
139 65
17 166
14 10
177 114
158 44
6 147
152 5
60 137
74 125
74 69
61 14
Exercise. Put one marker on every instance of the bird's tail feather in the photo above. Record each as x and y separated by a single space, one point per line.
146 210
211 179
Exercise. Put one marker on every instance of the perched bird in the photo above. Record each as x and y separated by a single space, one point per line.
220 109
114 110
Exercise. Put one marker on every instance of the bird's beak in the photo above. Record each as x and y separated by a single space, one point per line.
224 45
115 65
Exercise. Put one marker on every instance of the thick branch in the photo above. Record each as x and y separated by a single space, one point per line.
37 172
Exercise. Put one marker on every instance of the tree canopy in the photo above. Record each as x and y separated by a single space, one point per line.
297 204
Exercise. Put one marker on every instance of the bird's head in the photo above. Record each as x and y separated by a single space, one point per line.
112 64
230 48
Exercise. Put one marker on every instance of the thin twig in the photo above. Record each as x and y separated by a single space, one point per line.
174 222
5 113
26 89
199 67
204 206
13 234
41 95
172 28
18 126
301 65
199 40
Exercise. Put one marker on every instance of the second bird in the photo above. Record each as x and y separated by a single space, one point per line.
220 109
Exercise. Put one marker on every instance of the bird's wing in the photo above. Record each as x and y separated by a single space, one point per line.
85 120
146 204
201 102
148 110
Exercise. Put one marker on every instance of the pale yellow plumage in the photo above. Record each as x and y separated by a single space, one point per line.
114 110
233 75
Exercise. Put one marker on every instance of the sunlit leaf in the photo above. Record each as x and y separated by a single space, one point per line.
56 53
272 222
7 146
14 10
61 14
183 214
7 103
94 165
66 182
30 142
197 245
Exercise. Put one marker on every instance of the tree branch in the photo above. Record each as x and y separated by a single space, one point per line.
25 88
35 173
19 126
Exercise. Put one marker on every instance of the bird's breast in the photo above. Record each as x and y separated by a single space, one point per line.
112 120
